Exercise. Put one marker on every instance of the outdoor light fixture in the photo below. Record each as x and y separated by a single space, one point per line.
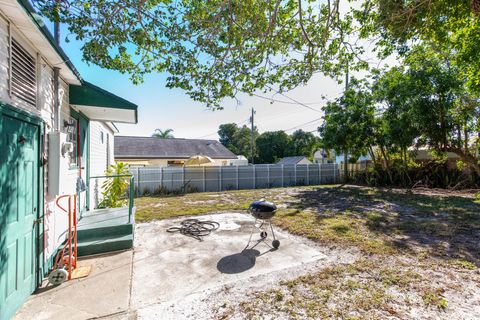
69 125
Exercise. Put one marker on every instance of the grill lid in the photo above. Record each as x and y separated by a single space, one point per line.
263 206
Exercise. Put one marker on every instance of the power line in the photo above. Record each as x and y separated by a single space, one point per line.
303 124
281 101
216 132
296 101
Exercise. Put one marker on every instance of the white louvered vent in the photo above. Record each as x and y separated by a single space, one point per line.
24 81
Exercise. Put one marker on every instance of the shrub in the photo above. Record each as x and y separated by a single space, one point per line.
115 188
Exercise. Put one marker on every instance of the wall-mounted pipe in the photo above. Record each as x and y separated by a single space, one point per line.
56 80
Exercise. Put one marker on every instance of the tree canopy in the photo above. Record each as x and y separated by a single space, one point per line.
270 146
215 49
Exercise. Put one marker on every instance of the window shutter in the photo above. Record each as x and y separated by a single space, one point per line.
24 81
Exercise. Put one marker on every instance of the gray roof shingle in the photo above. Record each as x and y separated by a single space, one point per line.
127 147
291 160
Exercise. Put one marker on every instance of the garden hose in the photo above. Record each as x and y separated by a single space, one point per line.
195 228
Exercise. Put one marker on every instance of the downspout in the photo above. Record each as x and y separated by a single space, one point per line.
56 98
56 71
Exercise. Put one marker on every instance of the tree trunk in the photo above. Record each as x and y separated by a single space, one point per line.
345 166
372 155
387 163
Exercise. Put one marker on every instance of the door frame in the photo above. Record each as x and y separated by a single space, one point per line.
21 115
82 118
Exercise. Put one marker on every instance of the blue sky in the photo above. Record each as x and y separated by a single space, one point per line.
160 107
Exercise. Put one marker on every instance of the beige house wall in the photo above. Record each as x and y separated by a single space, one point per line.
164 162
304 161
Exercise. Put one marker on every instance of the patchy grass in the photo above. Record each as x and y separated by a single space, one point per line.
164 207
365 289
372 220
416 251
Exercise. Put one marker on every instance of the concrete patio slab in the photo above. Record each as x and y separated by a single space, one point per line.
105 292
168 273
170 267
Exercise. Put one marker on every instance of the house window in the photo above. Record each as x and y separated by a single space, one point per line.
23 68
72 136
108 151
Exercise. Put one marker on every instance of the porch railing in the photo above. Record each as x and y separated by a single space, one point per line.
98 191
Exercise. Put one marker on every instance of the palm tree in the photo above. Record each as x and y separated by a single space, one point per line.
163 134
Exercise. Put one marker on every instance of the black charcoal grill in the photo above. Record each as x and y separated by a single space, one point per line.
263 212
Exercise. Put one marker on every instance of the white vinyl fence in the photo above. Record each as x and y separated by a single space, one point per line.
151 180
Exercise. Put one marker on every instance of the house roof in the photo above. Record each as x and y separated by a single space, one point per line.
292 160
127 147
99 104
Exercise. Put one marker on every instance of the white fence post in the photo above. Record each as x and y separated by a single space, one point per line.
308 176
334 173
319 173
268 175
140 192
183 178
136 182
238 178
220 179
295 174
204 178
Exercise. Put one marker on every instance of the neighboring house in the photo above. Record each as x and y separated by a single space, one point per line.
240 161
56 131
322 156
151 151
294 160
339 158
424 154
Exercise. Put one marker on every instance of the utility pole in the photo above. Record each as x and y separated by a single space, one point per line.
252 146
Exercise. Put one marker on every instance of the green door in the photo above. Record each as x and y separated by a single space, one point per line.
18 212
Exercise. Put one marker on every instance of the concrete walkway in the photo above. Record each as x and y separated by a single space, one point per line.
165 270
106 291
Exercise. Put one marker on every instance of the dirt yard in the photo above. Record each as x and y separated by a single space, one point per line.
391 254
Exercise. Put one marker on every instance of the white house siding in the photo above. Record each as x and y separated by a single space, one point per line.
55 221
45 96
4 43
98 157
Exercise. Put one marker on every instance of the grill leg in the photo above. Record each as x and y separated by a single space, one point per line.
271 228
254 226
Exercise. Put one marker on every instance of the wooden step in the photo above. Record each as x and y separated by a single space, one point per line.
105 244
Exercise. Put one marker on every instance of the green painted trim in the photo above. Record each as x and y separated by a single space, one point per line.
38 20
87 164
90 95
20 114
41 210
